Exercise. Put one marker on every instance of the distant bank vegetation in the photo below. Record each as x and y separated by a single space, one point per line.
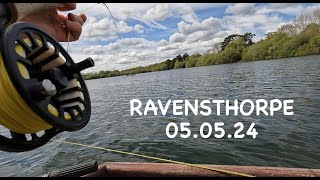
300 38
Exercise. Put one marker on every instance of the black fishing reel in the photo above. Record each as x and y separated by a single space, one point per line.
48 81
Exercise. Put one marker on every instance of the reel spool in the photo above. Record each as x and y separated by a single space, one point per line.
53 95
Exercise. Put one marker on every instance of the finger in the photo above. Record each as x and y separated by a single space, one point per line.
62 17
84 17
68 7
75 18
75 29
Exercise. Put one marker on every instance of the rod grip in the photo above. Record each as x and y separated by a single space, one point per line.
75 171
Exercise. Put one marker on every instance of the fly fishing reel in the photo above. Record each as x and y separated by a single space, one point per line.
41 87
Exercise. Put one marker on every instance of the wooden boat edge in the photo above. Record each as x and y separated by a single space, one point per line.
139 169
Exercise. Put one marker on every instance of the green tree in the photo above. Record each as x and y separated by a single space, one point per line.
228 40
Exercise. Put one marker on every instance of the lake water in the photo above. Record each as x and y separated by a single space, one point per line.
283 141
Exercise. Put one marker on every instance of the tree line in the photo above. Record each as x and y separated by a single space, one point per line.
299 38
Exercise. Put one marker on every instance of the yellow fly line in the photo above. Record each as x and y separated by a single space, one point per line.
156 158
15 113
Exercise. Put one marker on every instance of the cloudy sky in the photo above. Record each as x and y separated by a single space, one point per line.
153 32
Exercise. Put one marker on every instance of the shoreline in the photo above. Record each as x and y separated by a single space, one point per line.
241 61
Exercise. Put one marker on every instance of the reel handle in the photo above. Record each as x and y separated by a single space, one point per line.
87 63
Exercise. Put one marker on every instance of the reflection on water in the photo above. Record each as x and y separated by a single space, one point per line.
288 141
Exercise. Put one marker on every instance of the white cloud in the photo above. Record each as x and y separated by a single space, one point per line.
200 36
282 5
176 37
124 61
154 24
284 8
255 23
211 43
123 53
207 24
202 6
99 49
119 44
138 28
120 11
168 47
124 28
132 41
105 29
241 9
162 43
193 37
160 12
186 12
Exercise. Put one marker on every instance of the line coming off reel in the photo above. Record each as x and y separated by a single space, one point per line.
41 87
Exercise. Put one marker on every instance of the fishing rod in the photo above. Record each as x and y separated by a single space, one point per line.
74 171
114 22
41 87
